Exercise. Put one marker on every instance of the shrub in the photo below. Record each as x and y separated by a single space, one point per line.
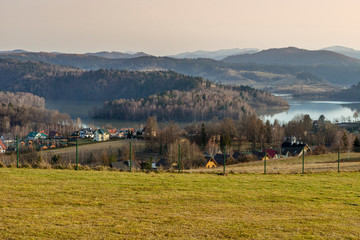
2 164
246 158
55 159
320 150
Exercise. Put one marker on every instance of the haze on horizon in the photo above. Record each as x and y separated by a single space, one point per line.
163 27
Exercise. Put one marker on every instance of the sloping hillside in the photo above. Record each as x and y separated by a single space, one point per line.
294 56
255 75
56 82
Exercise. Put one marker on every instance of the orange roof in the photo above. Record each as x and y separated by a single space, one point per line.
112 131
2 145
43 132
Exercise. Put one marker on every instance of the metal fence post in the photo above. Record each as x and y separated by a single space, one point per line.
130 157
303 161
224 158
179 158
17 151
265 162
338 160
77 155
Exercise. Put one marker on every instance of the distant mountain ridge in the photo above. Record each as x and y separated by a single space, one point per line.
330 66
118 55
216 55
14 51
294 56
350 52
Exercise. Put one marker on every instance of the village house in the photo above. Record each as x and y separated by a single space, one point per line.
86 133
8 139
113 132
218 160
101 135
37 135
55 134
2 147
294 148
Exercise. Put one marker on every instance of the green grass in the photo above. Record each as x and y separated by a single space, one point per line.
65 204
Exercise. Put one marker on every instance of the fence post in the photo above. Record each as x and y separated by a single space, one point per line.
265 162
130 157
77 154
224 158
338 160
17 151
303 161
179 163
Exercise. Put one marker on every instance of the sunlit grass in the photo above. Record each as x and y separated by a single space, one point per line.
294 165
65 204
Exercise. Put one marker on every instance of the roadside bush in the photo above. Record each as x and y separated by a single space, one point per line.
320 150
246 158
25 165
55 159
146 165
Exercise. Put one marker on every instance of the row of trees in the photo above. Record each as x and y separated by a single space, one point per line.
249 130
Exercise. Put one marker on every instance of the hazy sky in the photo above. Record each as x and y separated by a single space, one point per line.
163 27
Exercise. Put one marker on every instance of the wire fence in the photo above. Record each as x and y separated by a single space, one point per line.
141 155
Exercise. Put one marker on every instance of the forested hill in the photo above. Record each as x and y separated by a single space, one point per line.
21 113
62 83
351 94
329 66
294 56
200 104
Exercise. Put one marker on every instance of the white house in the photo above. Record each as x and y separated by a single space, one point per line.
101 135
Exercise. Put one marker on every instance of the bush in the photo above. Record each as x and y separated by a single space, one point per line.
55 159
146 165
2 165
320 150
246 158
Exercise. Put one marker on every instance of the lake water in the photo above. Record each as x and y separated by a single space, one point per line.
332 110
81 109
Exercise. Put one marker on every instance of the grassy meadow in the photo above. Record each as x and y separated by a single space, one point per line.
324 163
65 204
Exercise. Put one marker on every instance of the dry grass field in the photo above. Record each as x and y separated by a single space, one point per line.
312 164
67 204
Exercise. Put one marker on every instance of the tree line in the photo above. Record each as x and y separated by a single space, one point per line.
248 132
201 104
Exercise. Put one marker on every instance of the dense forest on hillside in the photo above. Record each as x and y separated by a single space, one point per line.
22 99
200 104
21 113
219 71
58 83
350 94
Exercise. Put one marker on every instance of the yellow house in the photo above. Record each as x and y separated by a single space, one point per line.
218 160
211 163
